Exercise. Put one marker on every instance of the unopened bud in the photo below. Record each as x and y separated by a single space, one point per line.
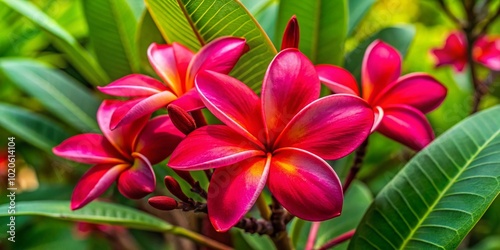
291 36
174 188
186 175
163 203
183 121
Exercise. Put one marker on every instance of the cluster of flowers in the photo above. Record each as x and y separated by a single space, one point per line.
280 139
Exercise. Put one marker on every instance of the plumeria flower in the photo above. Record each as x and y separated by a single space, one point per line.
280 140
486 51
176 66
399 103
125 154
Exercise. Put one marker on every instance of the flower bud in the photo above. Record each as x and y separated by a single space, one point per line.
174 188
185 175
163 203
183 121
291 36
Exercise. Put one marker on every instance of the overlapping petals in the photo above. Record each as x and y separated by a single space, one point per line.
176 66
398 103
125 154
273 140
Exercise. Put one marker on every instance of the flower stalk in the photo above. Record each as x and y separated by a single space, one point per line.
340 239
356 165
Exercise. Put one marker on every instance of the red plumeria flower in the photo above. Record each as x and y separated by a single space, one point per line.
125 154
177 66
486 51
280 139
399 103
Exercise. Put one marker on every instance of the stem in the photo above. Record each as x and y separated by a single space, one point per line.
280 236
313 232
338 240
356 165
198 238
264 210
282 241
448 12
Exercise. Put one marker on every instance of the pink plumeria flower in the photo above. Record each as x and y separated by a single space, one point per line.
176 66
486 51
399 103
125 154
280 140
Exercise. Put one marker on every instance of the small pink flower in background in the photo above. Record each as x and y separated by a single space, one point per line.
399 103
486 51
176 66
280 140
125 154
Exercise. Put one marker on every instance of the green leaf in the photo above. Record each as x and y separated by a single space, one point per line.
323 27
436 199
208 20
147 33
112 35
400 37
77 55
357 10
247 241
356 202
95 212
31 127
58 92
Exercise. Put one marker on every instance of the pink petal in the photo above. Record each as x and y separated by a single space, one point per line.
141 107
171 62
158 139
381 66
291 36
290 83
220 55
378 114
211 147
122 138
406 125
189 101
418 90
233 103
305 185
234 189
330 127
139 180
337 79
134 85
453 53
89 149
94 182
487 52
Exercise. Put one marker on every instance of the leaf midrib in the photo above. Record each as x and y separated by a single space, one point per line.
450 184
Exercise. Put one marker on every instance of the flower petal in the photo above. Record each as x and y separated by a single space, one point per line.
138 108
406 125
189 101
233 103
487 52
89 149
453 53
234 189
305 185
418 90
135 85
381 66
139 180
290 83
330 127
291 36
158 139
94 182
220 55
122 138
211 147
378 114
337 79
170 62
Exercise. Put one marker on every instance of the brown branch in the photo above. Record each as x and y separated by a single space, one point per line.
448 12
356 165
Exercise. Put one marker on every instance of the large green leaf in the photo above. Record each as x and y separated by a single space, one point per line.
242 240
436 199
400 37
207 20
147 33
31 127
357 10
78 56
95 212
112 28
58 92
323 27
